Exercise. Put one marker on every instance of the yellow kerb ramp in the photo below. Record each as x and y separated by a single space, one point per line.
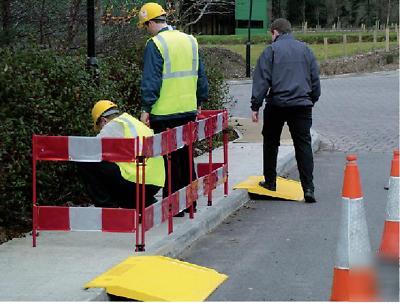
285 188
158 278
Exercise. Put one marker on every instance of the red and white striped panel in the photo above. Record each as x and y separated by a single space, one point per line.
175 138
85 219
83 149
182 199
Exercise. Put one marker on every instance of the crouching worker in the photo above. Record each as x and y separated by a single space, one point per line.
112 184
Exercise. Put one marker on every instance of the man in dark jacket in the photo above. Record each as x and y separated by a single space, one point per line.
287 76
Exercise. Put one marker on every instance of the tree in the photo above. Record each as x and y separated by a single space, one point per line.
187 13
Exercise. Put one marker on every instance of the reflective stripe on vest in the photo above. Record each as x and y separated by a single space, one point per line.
180 72
155 172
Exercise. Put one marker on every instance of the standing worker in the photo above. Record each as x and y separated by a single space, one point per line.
174 84
113 184
287 76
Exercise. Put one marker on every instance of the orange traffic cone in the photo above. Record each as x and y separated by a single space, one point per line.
353 275
389 248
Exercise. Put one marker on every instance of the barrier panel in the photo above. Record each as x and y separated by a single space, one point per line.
140 219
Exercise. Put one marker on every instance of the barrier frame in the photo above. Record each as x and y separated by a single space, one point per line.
210 174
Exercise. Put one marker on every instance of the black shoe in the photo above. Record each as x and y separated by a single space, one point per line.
180 215
268 185
309 196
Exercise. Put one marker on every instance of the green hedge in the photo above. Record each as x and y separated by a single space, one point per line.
311 38
43 91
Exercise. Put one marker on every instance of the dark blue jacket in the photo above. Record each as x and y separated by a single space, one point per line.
152 80
286 75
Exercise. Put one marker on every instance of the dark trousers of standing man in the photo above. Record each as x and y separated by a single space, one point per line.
299 121
179 158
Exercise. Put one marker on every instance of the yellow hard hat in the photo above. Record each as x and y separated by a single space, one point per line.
150 11
100 108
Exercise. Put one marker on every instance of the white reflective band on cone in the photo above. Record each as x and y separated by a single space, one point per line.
85 218
84 149
392 207
179 137
182 199
157 150
220 119
201 132
353 249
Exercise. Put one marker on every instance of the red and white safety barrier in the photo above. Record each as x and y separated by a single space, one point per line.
93 149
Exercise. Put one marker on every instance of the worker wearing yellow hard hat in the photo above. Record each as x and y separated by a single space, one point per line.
112 184
174 83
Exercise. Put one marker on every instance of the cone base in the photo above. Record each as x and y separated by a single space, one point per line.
389 248
355 285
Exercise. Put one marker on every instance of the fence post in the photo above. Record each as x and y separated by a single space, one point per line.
387 40
374 46
359 42
345 45
326 48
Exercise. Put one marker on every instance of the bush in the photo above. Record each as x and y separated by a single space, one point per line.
43 91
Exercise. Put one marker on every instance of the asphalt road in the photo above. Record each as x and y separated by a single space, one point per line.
282 251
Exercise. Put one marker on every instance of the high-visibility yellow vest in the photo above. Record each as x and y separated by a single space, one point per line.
155 172
180 72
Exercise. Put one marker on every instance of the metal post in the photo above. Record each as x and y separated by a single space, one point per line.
143 164
225 138
91 63
139 209
190 146
170 216
248 43
210 166
34 210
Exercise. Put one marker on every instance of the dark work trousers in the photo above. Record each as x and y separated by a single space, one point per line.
299 121
179 158
107 188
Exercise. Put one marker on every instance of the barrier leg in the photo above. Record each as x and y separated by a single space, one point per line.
170 217
225 138
34 210
210 188
191 209
143 201
139 212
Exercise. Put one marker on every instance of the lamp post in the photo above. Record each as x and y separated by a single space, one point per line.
91 63
248 43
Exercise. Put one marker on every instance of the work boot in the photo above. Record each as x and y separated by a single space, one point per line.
309 196
268 185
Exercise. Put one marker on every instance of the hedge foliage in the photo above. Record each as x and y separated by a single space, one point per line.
311 38
48 92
